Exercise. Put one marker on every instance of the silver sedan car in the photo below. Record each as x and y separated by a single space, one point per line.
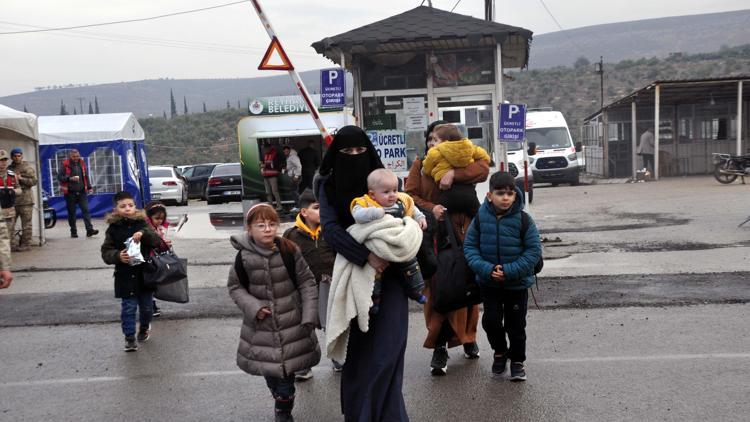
168 185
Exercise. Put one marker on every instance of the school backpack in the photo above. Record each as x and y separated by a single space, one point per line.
287 257
524 228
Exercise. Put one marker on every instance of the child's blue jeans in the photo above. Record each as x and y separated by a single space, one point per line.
142 302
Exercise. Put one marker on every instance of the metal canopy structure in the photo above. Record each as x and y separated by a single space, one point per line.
696 117
427 64
425 28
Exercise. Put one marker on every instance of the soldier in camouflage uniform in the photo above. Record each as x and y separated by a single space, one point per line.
9 189
6 277
26 176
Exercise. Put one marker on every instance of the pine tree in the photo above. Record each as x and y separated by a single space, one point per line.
96 105
238 105
75 111
164 114
204 106
173 106
91 109
63 111
228 106
24 109
184 102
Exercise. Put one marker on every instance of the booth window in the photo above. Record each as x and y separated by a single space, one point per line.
105 170
55 164
393 71
464 68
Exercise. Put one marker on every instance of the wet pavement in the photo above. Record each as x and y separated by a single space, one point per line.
644 307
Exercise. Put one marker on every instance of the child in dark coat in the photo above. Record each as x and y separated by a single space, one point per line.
503 258
156 217
306 233
127 221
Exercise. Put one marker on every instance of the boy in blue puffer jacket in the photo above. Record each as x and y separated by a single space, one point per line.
503 261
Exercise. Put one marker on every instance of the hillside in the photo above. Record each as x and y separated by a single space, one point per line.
616 42
212 136
643 38
575 90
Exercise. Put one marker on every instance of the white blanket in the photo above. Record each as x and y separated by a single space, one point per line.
392 239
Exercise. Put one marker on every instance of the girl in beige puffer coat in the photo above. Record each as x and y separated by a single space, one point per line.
278 329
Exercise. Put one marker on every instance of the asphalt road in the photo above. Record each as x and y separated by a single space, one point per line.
671 363
644 304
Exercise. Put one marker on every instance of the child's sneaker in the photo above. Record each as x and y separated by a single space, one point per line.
439 364
303 375
157 311
471 350
337 367
499 363
144 333
130 344
517 371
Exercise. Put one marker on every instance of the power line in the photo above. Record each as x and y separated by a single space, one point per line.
560 26
454 6
184 12
159 42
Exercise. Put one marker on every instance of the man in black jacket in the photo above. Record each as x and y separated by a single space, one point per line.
75 186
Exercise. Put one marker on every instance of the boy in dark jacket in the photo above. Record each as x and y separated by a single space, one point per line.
127 221
318 255
503 258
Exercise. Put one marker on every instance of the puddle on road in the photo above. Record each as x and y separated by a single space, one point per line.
637 221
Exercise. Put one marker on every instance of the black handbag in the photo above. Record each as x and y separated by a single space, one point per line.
176 291
455 285
164 268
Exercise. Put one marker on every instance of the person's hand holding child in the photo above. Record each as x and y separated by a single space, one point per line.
137 236
263 313
422 223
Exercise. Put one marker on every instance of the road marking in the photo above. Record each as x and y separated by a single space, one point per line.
646 358
92 380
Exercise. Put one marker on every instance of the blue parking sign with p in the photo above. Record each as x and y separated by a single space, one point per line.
332 88
511 123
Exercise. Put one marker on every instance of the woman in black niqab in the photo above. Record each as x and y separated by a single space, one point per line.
347 173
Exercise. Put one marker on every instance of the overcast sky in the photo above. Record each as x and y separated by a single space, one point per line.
229 42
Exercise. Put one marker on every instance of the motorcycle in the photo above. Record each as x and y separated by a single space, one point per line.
728 167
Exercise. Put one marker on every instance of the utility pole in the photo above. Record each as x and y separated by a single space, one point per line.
489 10
600 70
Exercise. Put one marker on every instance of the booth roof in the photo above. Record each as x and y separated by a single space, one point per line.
19 122
89 128
426 28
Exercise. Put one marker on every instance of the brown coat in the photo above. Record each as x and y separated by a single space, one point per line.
425 192
285 341
26 176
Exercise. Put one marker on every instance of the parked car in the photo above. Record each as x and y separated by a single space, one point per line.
225 184
197 178
168 185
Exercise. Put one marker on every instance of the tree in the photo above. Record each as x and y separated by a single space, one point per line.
24 109
184 102
173 106
96 105
204 106
228 106
581 62
75 111
164 114
238 105
63 111
91 109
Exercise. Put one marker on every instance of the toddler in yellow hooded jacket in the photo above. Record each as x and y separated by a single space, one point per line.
449 155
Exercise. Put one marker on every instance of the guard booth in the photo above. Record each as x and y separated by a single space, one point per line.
424 65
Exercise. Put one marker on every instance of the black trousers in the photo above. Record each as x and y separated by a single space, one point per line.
78 198
281 387
505 312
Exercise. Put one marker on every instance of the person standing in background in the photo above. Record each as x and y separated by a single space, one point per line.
310 160
26 177
646 149
293 169
75 186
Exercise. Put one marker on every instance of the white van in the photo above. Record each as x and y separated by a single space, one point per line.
556 159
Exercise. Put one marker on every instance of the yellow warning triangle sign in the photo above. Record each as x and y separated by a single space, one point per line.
275 47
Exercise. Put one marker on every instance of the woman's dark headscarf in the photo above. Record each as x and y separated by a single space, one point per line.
427 133
348 173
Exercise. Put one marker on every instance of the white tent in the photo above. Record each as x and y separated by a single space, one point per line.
18 129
